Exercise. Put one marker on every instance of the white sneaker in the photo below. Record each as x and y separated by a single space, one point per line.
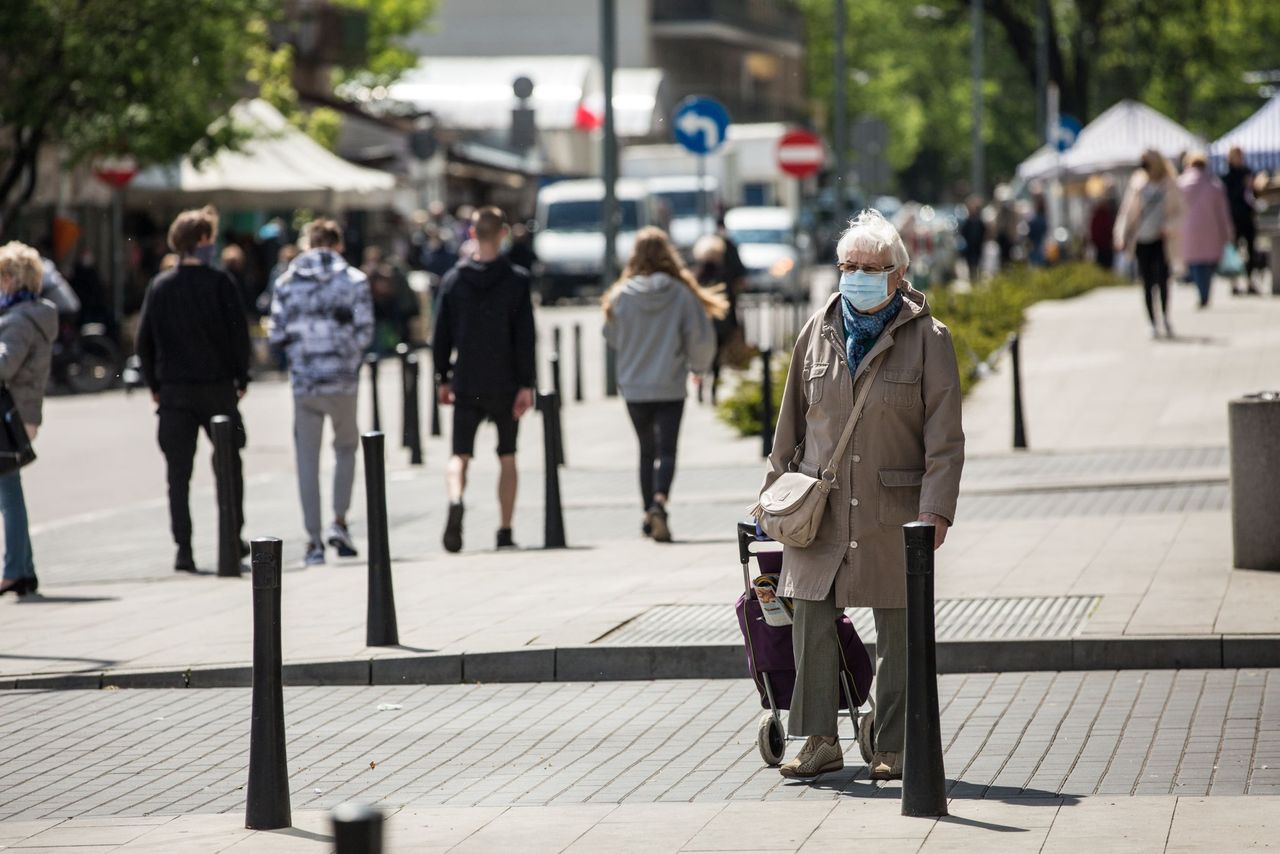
314 555
340 538
818 756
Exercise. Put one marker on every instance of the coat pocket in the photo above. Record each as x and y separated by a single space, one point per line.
900 495
814 379
902 388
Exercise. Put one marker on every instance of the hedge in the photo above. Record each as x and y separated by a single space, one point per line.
980 321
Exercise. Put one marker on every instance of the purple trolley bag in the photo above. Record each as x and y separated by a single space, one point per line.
771 661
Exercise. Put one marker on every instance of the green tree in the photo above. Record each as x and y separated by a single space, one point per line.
100 77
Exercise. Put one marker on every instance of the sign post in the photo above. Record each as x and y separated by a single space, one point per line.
701 125
117 172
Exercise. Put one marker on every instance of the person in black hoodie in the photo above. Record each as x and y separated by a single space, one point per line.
484 363
193 343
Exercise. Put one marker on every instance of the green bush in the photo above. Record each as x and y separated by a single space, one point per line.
980 321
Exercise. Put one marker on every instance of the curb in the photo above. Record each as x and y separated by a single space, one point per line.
721 661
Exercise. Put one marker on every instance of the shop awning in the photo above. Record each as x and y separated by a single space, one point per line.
1258 136
279 166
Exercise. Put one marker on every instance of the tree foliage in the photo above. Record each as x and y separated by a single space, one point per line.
100 77
909 65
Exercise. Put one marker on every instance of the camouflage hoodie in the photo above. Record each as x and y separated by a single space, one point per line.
322 316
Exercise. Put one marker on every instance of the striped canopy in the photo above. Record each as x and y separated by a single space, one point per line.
1258 136
1114 141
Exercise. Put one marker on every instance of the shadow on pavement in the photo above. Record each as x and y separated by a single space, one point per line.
41 599
298 833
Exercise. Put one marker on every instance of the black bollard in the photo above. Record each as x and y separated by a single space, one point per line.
267 795
555 386
435 403
412 429
402 354
577 363
1019 429
553 529
371 359
924 789
380 627
766 402
223 432
357 829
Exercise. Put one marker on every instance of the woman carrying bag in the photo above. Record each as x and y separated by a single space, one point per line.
28 326
868 439
659 319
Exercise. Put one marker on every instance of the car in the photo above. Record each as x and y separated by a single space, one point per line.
568 233
687 217
770 249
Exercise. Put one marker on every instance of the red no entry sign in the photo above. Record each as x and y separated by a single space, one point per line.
800 153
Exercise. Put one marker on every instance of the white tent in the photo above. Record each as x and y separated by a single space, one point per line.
1258 136
279 166
1114 141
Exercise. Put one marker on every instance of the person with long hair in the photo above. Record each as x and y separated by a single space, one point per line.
659 320
1147 228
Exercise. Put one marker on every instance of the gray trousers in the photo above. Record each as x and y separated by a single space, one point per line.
309 412
815 704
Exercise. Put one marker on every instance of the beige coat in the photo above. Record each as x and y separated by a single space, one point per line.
1130 214
904 459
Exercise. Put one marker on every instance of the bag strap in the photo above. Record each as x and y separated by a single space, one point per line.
853 417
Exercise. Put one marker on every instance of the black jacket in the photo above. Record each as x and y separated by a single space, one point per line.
485 314
193 329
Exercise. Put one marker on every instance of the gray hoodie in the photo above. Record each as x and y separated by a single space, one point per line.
27 330
661 332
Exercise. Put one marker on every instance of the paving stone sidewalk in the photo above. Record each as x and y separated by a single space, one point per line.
1033 760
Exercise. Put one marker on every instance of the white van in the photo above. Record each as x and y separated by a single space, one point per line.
569 233
687 217
771 249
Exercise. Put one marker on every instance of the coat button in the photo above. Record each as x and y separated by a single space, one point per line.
853 503
857 458
853 544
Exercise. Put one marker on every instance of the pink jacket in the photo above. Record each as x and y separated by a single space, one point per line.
1206 227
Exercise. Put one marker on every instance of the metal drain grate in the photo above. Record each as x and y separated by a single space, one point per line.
957 619
1121 500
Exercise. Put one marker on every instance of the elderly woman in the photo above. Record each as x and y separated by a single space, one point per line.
28 326
877 341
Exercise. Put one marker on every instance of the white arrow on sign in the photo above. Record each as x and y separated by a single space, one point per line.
691 124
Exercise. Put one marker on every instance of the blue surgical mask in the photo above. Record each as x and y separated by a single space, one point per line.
863 290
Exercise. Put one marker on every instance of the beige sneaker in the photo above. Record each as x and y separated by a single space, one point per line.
886 766
818 756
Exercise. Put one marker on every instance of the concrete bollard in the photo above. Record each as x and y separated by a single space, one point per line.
267 793
357 829
577 363
371 359
380 624
924 785
223 433
1253 424
766 402
1019 429
553 527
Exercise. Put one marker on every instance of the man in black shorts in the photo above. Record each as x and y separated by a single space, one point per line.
485 317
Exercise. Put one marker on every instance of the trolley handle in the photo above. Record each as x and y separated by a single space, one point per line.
746 536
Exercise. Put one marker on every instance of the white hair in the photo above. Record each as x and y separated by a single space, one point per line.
869 232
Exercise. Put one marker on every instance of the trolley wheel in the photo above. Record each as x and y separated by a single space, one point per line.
865 729
771 739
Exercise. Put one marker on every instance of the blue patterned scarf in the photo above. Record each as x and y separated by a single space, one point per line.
9 300
862 330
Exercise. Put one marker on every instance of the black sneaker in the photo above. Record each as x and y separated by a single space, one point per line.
184 562
505 540
453 529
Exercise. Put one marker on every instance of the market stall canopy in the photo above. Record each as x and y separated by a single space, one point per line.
1258 136
475 93
279 166
1114 141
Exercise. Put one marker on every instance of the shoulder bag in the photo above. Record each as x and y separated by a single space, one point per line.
15 444
790 509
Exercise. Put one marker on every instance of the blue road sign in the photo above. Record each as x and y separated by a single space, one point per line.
701 124
1068 129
